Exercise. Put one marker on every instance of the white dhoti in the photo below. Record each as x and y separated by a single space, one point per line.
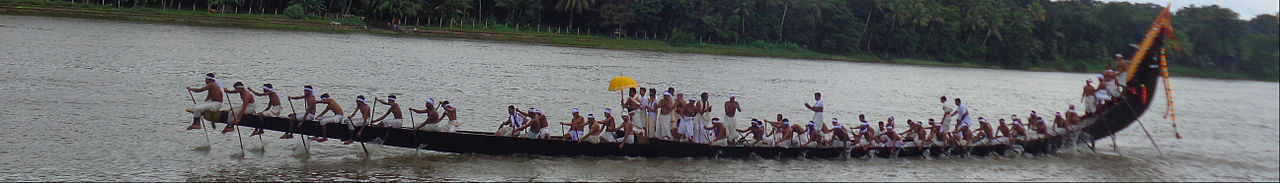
594 139
629 139
393 123
303 117
505 131
206 107
249 109
1089 104
817 118
274 111
575 135
662 126
534 135
648 125
355 122
608 136
331 119
685 127
720 142
732 125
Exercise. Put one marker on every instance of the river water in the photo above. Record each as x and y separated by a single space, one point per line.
90 100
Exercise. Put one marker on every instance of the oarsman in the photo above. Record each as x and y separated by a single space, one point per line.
432 124
947 112
593 134
814 136
914 133
610 129
1018 130
839 136
936 134
536 124
1100 95
336 118
892 139
273 104
576 126
663 124
962 132
718 133
451 114
397 118
865 135
756 131
784 134
1003 130
514 120
816 108
984 133
362 108
629 131
1088 97
309 113
1040 126
212 101
1058 119
246 105
731 109
801 133
1072 116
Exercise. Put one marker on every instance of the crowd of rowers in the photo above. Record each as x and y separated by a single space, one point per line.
673 119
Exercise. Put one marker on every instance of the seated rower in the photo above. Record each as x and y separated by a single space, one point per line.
784 134
451 114
397 118
593 134
865 135
961 134
629 131
1018 130
273 104
915 133
537 125
719 133
936 134
1072 116
515 119
246 105
1037 124
813 138
610 130
801 134
1058 121
756 130
984 134
309 111
1003 131
212 102
362 108
839 136
336 118
892 139
432 124
576 126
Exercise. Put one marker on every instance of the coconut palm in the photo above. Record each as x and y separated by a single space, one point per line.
573 7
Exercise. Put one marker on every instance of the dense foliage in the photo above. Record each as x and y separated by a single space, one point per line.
1020 34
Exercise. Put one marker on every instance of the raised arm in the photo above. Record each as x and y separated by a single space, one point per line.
256 93
201 89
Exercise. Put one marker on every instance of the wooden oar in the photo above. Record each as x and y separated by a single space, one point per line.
206 131
415 132
295 129
230 114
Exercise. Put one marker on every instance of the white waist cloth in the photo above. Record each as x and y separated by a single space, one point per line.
393 123
731 124
575 135
274 111
686 126
206 107
304 117
331 119
250 109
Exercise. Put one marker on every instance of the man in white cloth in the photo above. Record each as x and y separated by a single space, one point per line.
273 104
336 118
246 105
718 131
1087 97
665 108
451 114
608 127
432 124
817 109
309 110
947 112
629 130
397 118
731 108
366 114
962 114
1101 96
212 101
685 126
576 126
514 120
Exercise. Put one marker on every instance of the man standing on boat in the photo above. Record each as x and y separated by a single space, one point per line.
1088 97
397 118
309 113
212 101
816 108
273 104
337 118
662 127
731 108
947 112
246 105
962 114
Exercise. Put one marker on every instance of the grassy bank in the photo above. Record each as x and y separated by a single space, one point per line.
501 32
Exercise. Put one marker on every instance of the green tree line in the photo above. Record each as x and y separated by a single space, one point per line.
1071 35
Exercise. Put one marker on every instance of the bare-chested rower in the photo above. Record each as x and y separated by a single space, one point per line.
309 111
450 114
397 118
629 131
273 104
212 101
839 135
337 117
719 136
433 117
246 105
576 126
756 131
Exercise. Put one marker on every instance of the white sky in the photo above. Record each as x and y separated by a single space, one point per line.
1246 8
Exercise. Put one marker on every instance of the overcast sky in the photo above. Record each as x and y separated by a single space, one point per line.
1246 8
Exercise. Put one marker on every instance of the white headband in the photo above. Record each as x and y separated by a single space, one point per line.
575 110
324 97
241 86
733 95
716 121
833 120
265 88
607 110
448 105
307 89
361 100
1118 55
210 77
432 102
592 116
666 93
391 98
810 123
537 110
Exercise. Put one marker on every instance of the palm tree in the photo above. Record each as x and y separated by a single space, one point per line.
397 8
573 7
744 9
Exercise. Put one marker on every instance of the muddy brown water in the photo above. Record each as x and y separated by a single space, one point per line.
90 100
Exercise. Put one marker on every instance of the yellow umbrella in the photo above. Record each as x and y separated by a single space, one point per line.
621 83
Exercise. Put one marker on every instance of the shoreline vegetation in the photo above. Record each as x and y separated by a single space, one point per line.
542 34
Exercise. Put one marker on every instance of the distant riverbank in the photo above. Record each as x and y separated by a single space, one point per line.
504 33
